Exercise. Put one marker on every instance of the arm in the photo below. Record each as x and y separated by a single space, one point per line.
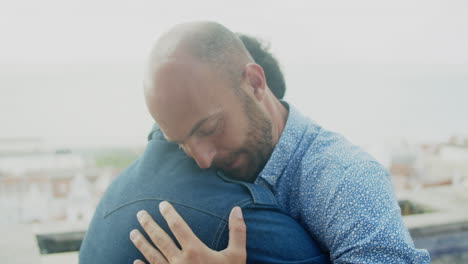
361 221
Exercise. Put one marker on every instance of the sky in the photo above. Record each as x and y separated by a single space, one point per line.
71 71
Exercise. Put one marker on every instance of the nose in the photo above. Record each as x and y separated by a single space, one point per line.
203 153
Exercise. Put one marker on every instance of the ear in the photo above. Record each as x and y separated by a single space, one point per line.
255 78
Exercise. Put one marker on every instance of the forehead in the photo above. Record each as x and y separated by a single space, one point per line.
184 92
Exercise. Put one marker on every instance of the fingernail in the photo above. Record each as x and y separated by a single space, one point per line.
163 206
237 212
140 215
133 234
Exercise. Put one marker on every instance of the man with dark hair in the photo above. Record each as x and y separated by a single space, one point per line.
210 97
204 198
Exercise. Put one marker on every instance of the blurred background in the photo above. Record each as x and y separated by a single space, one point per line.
392 76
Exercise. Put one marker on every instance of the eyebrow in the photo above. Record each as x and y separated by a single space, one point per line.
195 127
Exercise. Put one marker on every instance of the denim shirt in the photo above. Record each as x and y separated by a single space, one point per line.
339 193
204 198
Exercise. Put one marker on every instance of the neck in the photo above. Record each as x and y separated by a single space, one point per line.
279 115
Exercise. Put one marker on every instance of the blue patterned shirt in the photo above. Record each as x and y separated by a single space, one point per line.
340 194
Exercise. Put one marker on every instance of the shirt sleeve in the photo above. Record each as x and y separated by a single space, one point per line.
360 220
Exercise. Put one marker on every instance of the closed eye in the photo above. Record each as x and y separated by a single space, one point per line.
205 133
211 129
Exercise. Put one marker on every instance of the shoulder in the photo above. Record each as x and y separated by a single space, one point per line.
333 149
332 169
329 157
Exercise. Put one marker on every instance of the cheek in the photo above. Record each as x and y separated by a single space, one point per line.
234 136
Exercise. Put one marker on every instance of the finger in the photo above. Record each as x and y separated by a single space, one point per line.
159 237
237 231
178 226
150 253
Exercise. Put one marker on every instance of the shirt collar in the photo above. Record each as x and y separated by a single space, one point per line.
294 129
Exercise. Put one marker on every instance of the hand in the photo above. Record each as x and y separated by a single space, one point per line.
193 250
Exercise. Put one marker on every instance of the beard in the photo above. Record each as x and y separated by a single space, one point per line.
258 146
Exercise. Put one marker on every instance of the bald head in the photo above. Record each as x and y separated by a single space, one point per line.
209 43
209 96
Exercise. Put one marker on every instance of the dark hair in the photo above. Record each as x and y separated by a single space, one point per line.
261 55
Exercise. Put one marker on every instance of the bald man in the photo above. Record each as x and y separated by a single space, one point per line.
212 99
203 197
